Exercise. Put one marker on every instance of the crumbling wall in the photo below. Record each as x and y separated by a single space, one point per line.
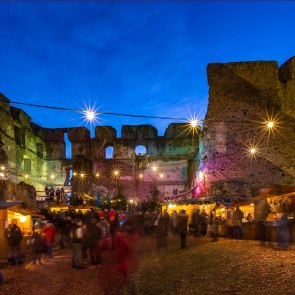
242 95
170 153
173 154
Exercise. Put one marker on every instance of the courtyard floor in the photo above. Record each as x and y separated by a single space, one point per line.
223 267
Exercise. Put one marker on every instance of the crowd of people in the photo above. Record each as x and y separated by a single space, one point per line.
57 195
89 234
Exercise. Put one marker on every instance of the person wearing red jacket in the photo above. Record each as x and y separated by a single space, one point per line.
49 234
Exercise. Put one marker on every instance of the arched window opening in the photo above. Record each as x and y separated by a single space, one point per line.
68 146
110 152
140 150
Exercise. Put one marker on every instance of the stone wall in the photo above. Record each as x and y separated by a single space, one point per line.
37 156
173 154
242 95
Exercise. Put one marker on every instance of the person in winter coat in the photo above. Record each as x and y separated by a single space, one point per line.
91 238
123 251
37 247
182 227
76 235
49 235
14 237
237 223
196 220
161 239
174 223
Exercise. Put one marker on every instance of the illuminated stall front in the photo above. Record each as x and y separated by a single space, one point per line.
59 207
10 210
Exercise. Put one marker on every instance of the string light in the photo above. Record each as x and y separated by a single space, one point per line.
26 176
97 175
52 176
252 150
116 172
271 123
201 175
95 112
154 168
161 175
1 174
90 114
140 175
194 123
2 167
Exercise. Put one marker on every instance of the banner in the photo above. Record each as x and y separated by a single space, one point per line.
108 200
98 199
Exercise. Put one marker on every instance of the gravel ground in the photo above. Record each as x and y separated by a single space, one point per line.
224 267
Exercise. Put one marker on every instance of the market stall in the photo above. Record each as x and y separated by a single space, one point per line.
277 207
85 208
59 207
12 210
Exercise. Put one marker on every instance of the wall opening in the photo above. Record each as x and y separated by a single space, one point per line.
26 164
39 148
20 136
109 152
140 150
68 146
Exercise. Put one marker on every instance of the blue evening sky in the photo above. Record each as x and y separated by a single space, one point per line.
146 58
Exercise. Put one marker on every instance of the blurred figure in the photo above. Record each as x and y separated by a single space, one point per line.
37 247
47 191
215 232
174 223
196 220
123 253
105 233
211 225
57 194
159 231
94 234
237 223
204 222
49 235
2 280
114 225
229 223
283 232
182 227
51 193
76 235
166 221
14 237
261 212
122 218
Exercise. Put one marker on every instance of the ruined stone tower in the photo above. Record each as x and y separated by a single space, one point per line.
242 97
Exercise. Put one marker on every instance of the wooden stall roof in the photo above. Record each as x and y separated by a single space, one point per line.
8 204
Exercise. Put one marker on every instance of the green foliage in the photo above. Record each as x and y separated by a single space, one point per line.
153 203
120 201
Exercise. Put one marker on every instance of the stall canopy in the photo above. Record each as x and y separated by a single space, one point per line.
8 204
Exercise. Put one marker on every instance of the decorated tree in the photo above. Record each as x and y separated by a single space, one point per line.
120 201
153 203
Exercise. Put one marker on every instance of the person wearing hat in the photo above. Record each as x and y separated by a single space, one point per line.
182 227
